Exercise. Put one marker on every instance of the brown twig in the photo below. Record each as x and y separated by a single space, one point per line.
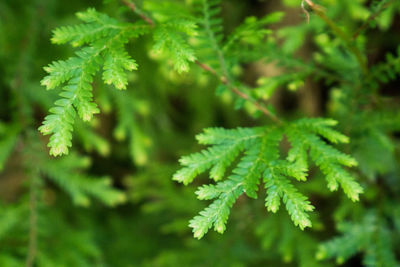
305 11
310 3
320 11
239 93
371 18
208 69
134 9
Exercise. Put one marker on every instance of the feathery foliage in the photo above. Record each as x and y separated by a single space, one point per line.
385 71
210 32
273 156
371 236
171 33
9 137
103 40
261 158
78 185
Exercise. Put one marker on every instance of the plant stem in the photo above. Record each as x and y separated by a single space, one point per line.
134 9
239 93
319 10
32 247
371 18
224 79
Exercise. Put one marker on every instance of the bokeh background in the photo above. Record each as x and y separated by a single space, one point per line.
136 141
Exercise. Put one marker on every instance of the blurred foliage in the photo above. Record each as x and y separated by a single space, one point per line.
138 90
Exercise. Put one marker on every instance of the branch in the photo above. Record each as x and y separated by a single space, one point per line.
32 247
134 9
320 11
239 93
305 11
371 18
224 79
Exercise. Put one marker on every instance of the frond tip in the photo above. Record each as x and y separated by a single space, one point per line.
169 38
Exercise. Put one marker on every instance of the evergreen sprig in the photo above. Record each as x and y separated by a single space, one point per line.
8 139
259 150
370 236
79 185
386 71
210 33
171 33
104 40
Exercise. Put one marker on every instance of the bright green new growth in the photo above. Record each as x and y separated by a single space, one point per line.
103 39
260 158
171 31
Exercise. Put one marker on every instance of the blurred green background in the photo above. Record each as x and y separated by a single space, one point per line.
136 141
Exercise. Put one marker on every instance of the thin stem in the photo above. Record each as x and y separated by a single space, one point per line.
224 78
319 10
239 93
32 247
305 11
371 18
133 7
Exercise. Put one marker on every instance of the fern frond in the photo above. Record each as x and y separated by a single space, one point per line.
8 139
105 38
261 158
128 127
210 33
251 32
92 140
385 120
321 126
211 22
375 143
369 236
306 135
218 212
218 136
171 35
249 169
168 38
286 239
219 156
385 71
381 251
116 63
278 187
78 185
97 26
344 246
78 96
